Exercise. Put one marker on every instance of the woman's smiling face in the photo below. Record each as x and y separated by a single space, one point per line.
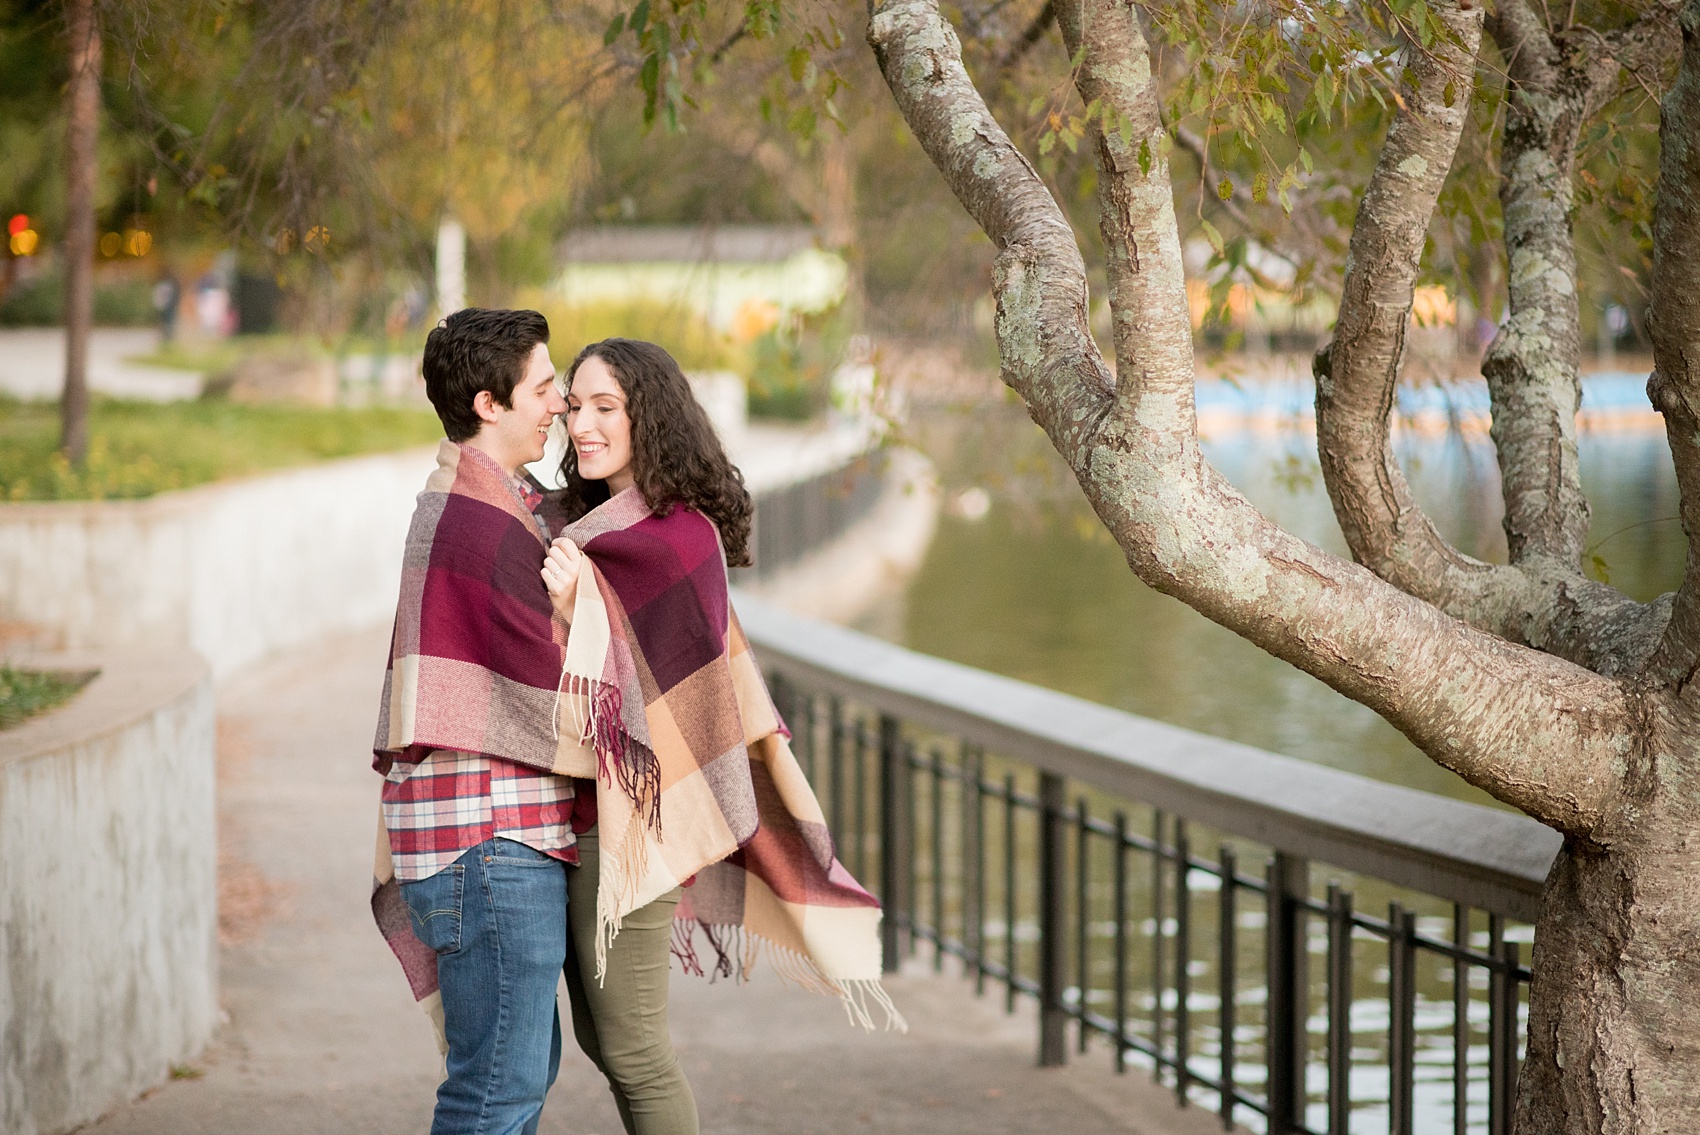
598 425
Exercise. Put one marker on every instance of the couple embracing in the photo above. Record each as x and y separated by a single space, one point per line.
582 766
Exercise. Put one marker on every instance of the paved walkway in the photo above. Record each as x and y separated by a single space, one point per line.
322 1036
32 365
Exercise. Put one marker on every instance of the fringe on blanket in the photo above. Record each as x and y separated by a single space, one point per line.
626 863
737 952
594 713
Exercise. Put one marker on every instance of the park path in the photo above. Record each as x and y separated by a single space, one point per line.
32 365
321 1035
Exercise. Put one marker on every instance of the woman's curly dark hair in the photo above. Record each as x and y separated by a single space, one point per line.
677 457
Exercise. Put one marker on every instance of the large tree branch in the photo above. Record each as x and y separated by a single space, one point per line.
1675 325
1543 602
1357 372
1533 365
1533 730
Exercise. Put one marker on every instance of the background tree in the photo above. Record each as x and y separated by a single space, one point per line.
82 136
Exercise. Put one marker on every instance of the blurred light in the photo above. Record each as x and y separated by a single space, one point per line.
1433 307
17 224
754 318
110 244
24 242
137 242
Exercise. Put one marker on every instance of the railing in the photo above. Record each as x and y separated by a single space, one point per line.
799 518
1054 846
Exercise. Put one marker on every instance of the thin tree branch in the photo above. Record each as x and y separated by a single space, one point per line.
1028 39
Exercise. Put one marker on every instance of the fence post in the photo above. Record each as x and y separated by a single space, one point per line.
1289 885
1053 944
896 847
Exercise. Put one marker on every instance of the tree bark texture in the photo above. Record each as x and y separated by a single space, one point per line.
82 138
1542 598
1675 328
1528 680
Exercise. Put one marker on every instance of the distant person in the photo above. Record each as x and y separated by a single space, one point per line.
661 682
478 820
167 296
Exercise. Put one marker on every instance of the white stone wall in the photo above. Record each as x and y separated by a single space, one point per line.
235 570
108 891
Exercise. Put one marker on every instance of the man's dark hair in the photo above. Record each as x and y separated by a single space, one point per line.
477 349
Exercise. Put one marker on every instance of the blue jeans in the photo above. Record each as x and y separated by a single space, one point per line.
497 918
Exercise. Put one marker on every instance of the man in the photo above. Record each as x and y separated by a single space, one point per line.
477 812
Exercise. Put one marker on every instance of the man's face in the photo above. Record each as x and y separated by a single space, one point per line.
515 436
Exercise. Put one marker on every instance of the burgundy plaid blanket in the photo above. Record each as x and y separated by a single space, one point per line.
654 693
697 776
475 658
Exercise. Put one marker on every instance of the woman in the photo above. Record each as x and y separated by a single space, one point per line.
696 781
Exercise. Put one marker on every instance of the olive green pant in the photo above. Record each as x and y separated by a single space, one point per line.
621 1023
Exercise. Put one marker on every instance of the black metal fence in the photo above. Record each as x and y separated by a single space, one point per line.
1057 848
798 518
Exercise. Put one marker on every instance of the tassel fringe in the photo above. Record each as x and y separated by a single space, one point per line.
737 951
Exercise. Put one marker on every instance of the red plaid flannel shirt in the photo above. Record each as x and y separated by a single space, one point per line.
453 800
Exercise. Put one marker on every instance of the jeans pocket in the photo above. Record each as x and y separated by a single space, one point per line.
433 906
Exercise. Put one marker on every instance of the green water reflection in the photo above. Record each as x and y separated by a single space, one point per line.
1034 589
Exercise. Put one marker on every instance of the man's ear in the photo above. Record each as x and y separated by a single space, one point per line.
484 405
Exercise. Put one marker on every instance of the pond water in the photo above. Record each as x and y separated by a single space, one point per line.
1035 589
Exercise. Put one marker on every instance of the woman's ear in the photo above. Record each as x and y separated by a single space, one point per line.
484 405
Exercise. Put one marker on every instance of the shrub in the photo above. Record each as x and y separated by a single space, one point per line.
682 332
41 303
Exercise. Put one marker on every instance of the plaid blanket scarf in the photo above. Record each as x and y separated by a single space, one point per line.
696 775
654 693
475 658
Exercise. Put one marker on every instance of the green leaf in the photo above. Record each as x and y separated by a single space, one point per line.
640 17
803 122
1071 140
1225 188
797 60
1144 151
649 78
1211 235
615 27
1125 129
1450 94
1047 141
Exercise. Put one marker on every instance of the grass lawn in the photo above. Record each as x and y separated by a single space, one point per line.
137 449
25 693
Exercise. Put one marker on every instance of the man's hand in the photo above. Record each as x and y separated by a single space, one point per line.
560 575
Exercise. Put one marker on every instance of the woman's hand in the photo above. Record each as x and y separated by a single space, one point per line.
560 575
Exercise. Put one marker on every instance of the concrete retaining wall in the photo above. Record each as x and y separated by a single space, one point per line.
235 570
108 890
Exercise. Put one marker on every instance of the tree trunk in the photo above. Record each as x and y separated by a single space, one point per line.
1593 733
82 137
